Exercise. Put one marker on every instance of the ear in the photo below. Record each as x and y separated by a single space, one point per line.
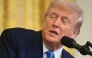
74 34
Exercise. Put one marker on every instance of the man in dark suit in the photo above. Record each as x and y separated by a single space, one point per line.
62 18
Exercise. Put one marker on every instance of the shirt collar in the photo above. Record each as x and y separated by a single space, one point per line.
58 53
44 48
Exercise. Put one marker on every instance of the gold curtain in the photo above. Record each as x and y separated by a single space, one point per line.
23 13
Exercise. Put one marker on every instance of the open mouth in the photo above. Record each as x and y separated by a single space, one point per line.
54 32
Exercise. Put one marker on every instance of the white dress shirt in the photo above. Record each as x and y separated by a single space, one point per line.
57 53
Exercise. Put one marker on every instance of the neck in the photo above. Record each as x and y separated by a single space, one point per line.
53 46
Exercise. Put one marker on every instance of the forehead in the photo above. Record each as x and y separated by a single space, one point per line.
62 11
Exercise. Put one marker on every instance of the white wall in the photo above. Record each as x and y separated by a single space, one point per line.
86 29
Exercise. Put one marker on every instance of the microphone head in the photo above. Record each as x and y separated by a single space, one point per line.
68 42
71 43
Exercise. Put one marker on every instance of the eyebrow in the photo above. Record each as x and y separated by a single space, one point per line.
53 13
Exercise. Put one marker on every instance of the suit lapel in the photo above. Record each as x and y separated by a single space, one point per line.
34 53
65 54
35 46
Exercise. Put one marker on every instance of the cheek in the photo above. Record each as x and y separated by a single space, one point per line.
66 31
44 25
47 24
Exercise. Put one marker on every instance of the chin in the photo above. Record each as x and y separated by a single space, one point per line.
52 40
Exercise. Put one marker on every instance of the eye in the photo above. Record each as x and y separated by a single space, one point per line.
65 20
53 16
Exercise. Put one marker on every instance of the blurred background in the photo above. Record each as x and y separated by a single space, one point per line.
29 14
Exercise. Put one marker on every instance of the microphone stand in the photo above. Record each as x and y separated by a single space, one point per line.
85 50
89 44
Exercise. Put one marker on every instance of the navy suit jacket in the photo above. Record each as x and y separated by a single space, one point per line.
23 43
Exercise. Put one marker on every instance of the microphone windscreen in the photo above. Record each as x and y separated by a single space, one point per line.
68 42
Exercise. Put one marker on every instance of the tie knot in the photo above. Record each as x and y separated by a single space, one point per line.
50 54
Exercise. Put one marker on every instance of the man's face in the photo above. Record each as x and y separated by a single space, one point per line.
58 23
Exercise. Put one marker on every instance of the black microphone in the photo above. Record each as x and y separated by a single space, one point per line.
89 44
71 43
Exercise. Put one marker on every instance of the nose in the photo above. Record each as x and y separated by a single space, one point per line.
56 23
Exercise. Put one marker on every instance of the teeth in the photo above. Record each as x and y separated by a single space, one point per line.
54 32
